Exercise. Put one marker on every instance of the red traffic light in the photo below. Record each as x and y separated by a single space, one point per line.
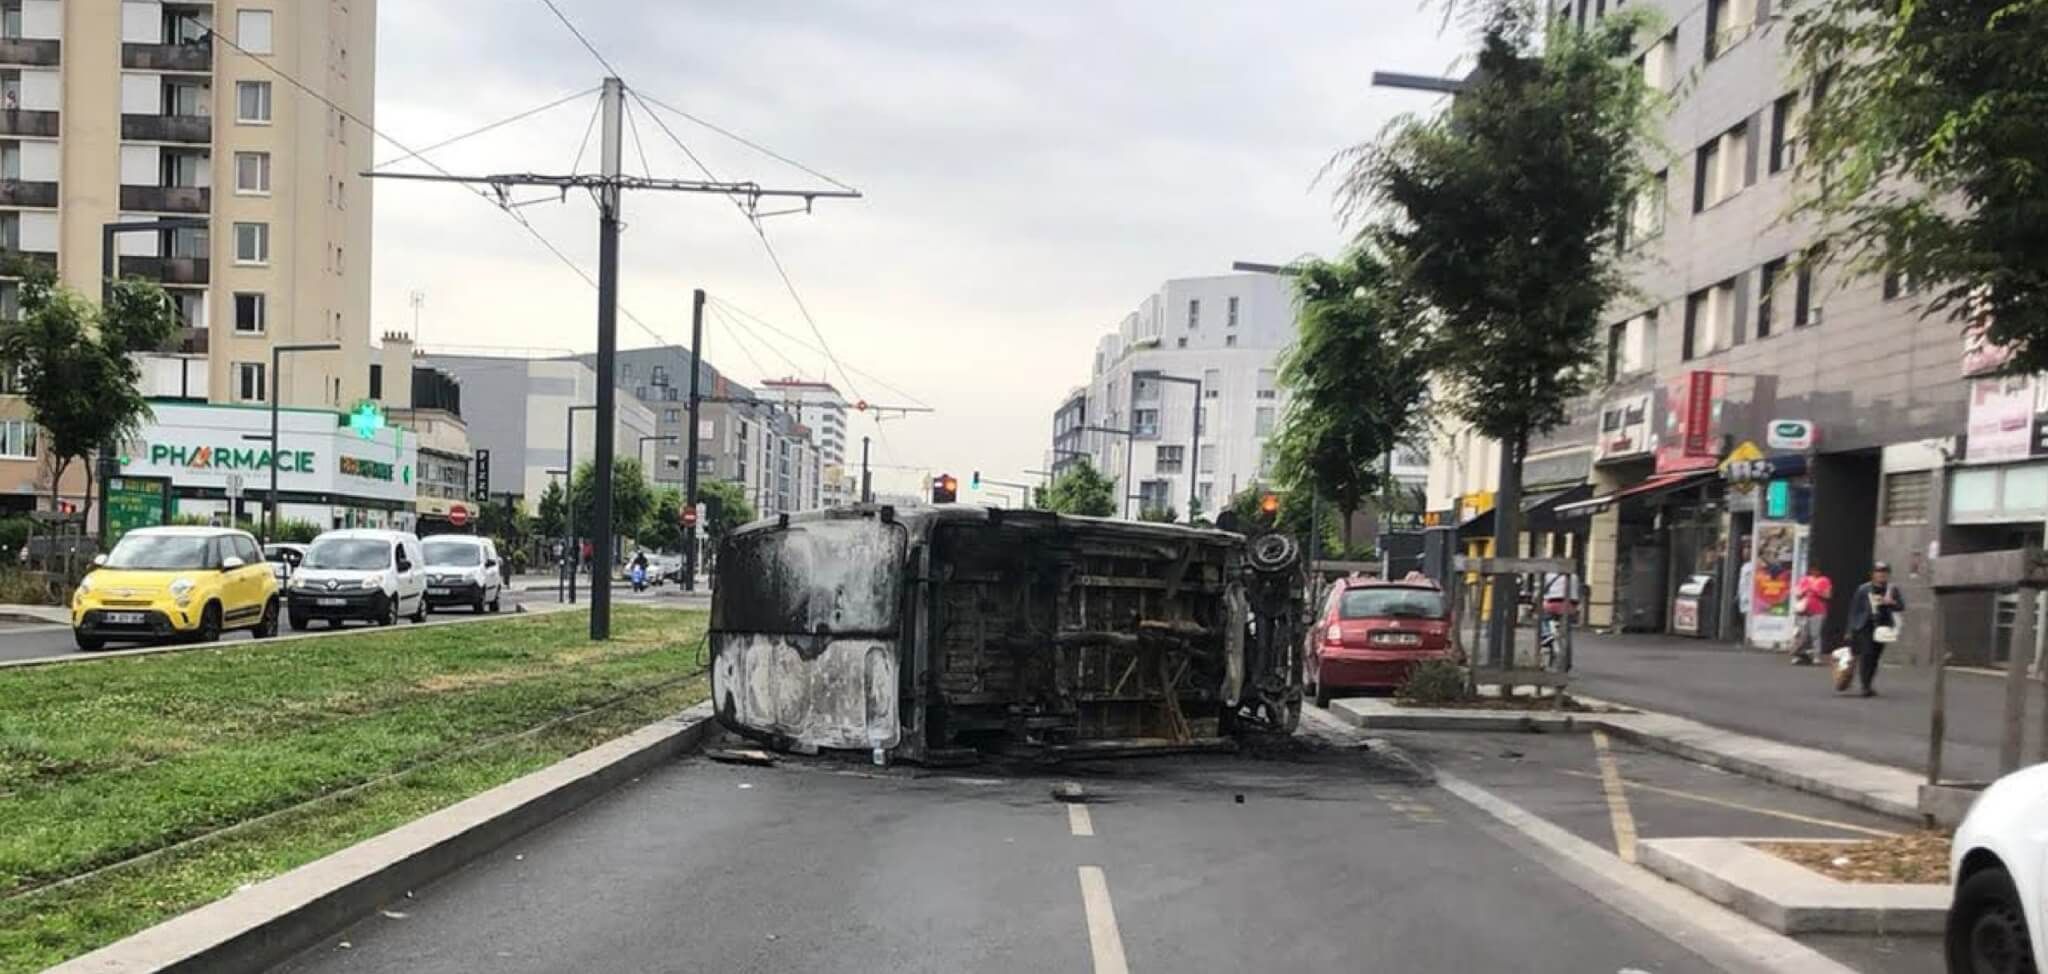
952 486
1269 503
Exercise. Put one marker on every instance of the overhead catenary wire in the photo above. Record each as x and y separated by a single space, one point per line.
580 39
503 205
800 343
733 323
500 123
743 140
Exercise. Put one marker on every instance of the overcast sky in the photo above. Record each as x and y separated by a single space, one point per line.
1032 172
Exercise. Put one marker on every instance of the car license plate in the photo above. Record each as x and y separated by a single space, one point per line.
333 602
123 618
437 591
1397 639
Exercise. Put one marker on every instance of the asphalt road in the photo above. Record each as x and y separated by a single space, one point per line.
1297 860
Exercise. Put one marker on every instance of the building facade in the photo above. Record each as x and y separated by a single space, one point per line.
818 405
526 427
132 110
1844 408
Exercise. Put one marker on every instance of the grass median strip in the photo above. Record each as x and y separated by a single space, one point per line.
138 788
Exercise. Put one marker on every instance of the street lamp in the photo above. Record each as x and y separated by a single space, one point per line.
640 452
1195 446
277 353
570 553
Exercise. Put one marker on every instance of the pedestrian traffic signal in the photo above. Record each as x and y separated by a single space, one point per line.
945 489
976 482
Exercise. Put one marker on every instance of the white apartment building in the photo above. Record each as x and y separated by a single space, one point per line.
819 406
520 412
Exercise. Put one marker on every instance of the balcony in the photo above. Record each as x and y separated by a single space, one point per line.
168 270
160 128
194 56
34 52
17 192
28 121
8 257
186 341
164 199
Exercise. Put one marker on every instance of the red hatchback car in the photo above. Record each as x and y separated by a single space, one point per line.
1370 633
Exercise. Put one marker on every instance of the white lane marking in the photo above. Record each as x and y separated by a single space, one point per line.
1103 940
1078 820
1617 799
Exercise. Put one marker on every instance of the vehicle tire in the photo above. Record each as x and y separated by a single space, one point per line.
88 644
1322 696
389 617
209 624
1987 927
266 625
419 613
298 622
498 601
476 608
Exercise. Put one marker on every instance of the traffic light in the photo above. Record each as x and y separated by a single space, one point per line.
945 489
976 482
1269 504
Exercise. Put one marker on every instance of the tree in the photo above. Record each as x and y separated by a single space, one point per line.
77 365
1503 214
664 530
632 498
1293 516
1081 490
552 509
1927 154
1357 374
725 510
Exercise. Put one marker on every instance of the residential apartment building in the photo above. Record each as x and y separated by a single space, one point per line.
818 405
659 377
130 111
1735 346
526 427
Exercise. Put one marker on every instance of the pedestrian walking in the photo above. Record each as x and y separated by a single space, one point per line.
1810 598
1874 622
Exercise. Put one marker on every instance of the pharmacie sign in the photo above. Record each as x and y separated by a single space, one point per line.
227 458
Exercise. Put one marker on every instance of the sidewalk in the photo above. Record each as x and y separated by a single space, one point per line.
1762 695
55 615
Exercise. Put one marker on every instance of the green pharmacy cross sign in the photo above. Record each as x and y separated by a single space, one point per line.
367 419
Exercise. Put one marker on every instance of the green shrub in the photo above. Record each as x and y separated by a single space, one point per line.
1437 681
296 531
23 588
13 534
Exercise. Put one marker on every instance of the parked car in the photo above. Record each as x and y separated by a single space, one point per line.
366 574
284 559
175 583
1371 633
1997 863
462 569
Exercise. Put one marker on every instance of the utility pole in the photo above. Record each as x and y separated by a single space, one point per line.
607 186
867 478
690 475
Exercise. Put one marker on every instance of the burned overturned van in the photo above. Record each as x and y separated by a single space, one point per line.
933 633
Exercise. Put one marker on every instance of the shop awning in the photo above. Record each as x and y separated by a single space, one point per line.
1541 505
1656 486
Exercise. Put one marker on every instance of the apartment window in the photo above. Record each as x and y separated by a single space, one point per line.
10 20
1899 284
1155 495
1169 459
1262 421
10 89
252 173
1194 313
1266 390
10 160
249 385
1212 383
672 415
249 313
252 31
1788 122
1907 496
1646 211
10 309
1632 345
1802 293
338 268
1208 462
1181 342
191 305
1710 320
1720 168
1728 22
1230 314
252 243
1230 341
10 230
1659 63
188 243
1145 422
18 436
376 381
1768 280
187 99
182 169
1616 334
252 101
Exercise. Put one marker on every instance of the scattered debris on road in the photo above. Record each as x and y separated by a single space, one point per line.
1070 791
739 755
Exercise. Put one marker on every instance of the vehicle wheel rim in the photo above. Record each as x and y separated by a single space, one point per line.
1998 942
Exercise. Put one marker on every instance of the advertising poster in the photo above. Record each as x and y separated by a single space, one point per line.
1780 560
2001 423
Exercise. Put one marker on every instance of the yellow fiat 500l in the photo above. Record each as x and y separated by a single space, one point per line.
169 583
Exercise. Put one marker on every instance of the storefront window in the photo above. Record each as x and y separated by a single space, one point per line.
1974 491
2025 489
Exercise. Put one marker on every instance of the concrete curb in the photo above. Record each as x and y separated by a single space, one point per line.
1887 791
1791 898
260 926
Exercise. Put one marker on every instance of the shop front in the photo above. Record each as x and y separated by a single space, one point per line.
335 469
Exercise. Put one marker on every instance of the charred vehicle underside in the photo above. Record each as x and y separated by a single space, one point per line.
934 633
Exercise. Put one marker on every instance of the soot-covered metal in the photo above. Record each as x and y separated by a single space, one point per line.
931 633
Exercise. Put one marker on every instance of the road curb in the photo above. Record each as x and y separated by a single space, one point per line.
1791 898
264 924
1811 784
1369 714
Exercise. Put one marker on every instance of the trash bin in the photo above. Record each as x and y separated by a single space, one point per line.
1692 613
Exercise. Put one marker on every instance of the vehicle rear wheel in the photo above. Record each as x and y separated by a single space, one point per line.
389 617
498 600
419 613
477 607
89 644
209 624
1322 694
266 626
1987 928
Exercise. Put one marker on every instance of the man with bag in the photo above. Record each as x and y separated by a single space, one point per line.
1873 622
1810 599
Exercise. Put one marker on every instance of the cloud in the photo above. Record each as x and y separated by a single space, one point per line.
1032 172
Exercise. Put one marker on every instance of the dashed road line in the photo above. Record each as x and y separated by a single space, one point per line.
1617 799
1104 943
1079 821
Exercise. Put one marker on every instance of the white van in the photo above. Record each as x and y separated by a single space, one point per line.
462 569
364 574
